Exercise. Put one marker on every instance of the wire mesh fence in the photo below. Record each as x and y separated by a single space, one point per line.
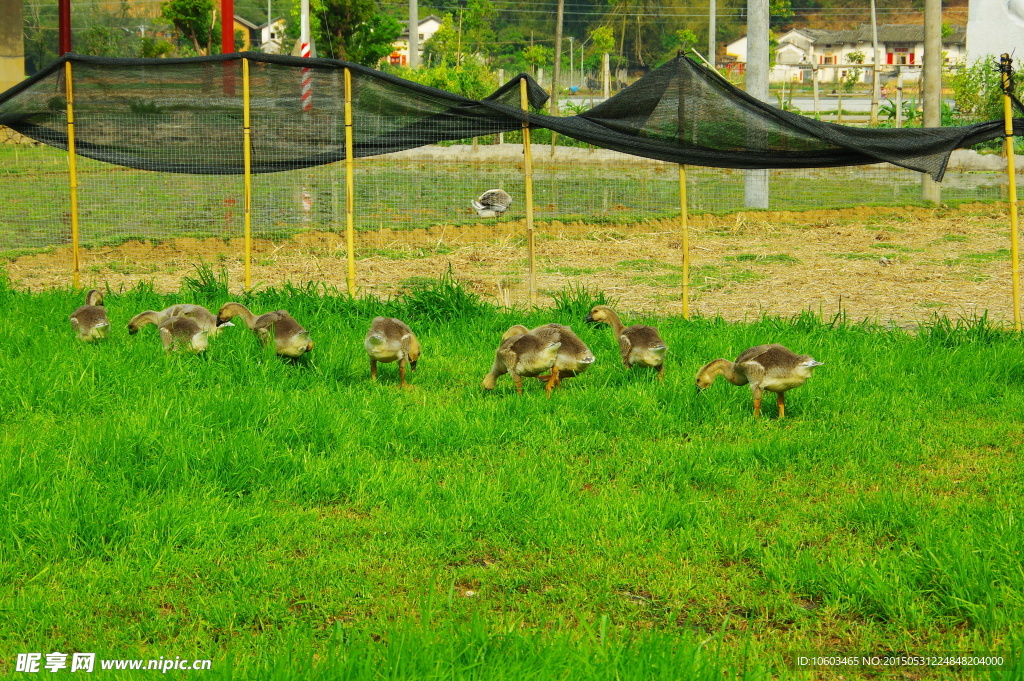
603 219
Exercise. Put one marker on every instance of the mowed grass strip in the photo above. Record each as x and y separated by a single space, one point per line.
295 520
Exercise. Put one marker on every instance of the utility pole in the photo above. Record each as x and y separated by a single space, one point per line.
932 99
712 46
606 77
572 54
756 184
876 83
227 26
414 34
556 74
304 28
12 44
63 26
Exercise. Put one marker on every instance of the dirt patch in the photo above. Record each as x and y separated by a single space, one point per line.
900 264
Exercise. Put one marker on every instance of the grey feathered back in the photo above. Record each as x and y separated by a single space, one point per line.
772 356
389 326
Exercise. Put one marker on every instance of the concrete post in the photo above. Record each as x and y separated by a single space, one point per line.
756 185
414 34
932 99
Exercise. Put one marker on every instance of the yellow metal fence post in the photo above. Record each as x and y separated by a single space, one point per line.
686 241
528 172
1006 64
247 135
72 171
350 237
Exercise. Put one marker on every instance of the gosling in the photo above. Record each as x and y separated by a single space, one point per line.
640 345
206 320
774 368
574 357
522 353
183 333
289 338
90 320
391 340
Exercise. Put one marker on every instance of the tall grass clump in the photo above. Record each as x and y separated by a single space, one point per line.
205 283
576 301
443 300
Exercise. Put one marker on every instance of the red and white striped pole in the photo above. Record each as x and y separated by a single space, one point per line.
307 81
307 73
306 94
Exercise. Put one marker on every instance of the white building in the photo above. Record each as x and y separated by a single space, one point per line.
265 37
801 49
428 27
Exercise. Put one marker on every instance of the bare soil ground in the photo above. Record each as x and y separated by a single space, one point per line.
884 264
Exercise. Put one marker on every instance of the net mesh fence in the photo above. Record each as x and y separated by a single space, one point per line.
159 190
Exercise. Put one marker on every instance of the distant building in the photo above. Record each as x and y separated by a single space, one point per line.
428 27
267 38
801 49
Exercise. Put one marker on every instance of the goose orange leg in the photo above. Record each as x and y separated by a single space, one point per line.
552 381
757 403
373 370
518 380
401 373
661 372
780 399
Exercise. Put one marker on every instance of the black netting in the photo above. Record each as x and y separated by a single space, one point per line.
185 116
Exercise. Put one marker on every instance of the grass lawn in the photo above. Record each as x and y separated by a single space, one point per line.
296 521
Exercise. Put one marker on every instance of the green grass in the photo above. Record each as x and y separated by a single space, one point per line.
774 259
896 247
296 521
714 277
859 256
569 271
979 258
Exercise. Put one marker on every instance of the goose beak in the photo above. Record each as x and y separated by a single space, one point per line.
412 364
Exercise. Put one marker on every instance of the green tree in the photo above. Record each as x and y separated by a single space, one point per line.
602 41
780 11
537 55
853 75
340 19
151 48
443 46
373 39
353 30
470 79
193 19
685 39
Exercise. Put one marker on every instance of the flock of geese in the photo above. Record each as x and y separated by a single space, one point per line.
551 352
